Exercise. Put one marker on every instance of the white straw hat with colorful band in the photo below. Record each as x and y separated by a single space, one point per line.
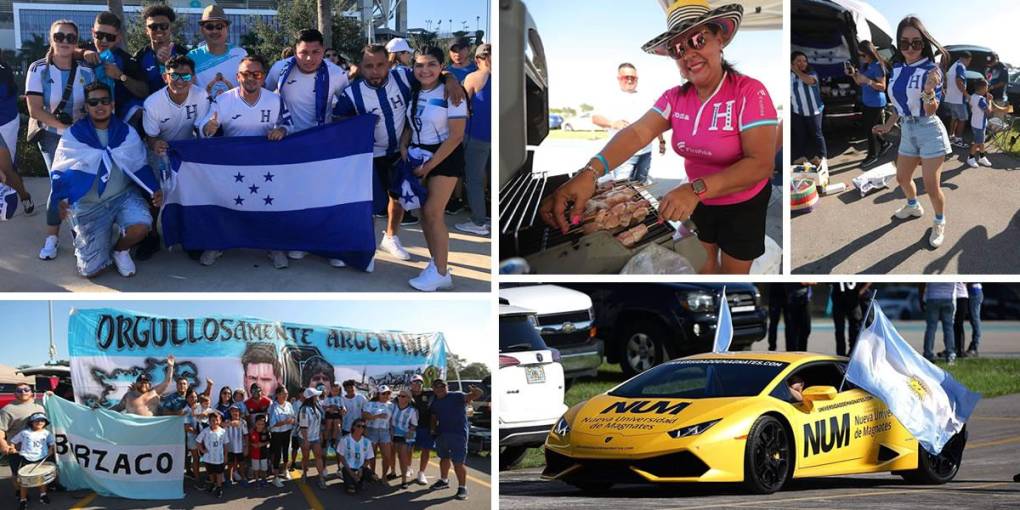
683 15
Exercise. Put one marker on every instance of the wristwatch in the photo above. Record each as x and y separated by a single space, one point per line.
699 187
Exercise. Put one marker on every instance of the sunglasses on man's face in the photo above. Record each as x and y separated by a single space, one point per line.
65 37
24 390
359 426
96 101
679 47
214 26
627 77
104 36
258 75
159 27
180 76
914 44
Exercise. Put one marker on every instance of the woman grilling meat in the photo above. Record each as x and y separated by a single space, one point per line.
724 126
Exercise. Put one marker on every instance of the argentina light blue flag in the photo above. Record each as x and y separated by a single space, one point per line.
924 398
114 454
723 328
311 191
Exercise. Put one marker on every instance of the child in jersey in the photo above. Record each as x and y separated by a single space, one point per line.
258 441
237 435
34 444
404 422
981 105
334 406
212 443
191 430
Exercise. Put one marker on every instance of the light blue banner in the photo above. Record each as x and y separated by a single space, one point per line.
117 454
110 348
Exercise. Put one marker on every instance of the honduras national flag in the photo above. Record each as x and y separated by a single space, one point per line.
923 397
311 191
724 328
407 185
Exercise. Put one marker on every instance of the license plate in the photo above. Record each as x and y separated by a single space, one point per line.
535 374
739 309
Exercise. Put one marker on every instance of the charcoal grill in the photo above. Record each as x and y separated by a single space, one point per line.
549 251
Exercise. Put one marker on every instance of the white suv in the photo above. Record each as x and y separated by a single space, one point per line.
531 382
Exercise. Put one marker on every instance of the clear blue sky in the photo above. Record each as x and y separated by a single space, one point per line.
473 12
466 323
586 41
991 23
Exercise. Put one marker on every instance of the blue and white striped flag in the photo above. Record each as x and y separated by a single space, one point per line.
81 160
311 191
924 398
724 328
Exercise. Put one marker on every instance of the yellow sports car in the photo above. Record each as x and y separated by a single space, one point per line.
756 418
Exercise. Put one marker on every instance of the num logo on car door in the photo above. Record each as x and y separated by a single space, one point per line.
825 434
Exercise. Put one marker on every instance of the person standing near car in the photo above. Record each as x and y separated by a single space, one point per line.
962 309
449 424
627 106
423 439
847 311
871 78
977 296
777 303
997 76
956 97
13 419
939 304
807 107
797 315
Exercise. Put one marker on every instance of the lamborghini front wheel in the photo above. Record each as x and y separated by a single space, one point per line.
767 456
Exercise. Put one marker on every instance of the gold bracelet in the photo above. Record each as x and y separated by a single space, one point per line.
594 174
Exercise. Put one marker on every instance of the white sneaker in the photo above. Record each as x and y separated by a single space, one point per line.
277 482
209 257
430 280
337 263
471 228
286 474
125 266
907 211
237 476
49 249
371 266
421 480
391 244
984 161
296 255
938 234
279 259
972 162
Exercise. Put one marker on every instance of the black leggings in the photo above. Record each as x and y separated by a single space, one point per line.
279 445
871 117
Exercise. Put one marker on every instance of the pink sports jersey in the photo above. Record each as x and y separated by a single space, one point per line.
707 135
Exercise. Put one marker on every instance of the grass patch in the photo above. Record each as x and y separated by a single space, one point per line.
991 377
559 134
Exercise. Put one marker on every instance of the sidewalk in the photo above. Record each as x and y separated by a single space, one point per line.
237 271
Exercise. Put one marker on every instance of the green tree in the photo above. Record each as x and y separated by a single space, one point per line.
475 371
295 15
454 365
135 37
33 49
585 107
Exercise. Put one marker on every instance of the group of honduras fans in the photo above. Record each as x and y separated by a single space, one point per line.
118 107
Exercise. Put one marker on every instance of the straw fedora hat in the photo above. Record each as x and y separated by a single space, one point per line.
683 15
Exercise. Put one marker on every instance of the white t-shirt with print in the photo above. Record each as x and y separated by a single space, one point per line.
356 452
33 445
167 120
213 441
238 118
310 418
429 118
300 93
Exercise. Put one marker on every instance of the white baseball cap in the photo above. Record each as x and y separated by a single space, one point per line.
383 389
312 392
398 44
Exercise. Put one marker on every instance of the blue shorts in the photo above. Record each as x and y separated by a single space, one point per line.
979 135
93 243
379 436
423 438
452 446
958 111
923 137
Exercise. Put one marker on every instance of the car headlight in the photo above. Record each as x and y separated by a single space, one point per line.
692 430
699 302
562 428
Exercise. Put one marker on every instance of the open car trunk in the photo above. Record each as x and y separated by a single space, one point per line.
827 33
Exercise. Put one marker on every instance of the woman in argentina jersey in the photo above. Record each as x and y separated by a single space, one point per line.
916 88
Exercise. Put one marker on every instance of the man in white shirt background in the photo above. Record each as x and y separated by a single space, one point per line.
628 106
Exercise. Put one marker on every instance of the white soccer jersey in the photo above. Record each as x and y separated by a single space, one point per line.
238 118
403 420
331 401
167 120
387 102
906 85
310 418
356 452
208 66
978 115
431 116
379 408
354 406
213 441
953 94
235 436
299 93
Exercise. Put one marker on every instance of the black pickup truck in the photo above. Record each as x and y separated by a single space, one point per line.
644 324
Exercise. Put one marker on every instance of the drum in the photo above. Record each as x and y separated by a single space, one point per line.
803 195
37 474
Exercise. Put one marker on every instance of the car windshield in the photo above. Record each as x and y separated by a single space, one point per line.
702 378
517 334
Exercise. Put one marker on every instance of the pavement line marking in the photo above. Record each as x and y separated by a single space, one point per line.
83 502
473 479
770 503
994 418
309 494
996 442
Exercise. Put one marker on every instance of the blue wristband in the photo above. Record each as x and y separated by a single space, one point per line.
605 164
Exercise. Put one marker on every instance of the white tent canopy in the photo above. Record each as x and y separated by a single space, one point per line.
758 14
871 24
10 375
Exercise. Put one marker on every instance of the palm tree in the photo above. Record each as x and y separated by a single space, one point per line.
325 20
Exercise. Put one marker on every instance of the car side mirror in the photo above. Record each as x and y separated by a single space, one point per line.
815 393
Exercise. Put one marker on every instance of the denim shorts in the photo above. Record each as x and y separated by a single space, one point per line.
452 446
93 244
958 111
378 436
923 136
979 135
